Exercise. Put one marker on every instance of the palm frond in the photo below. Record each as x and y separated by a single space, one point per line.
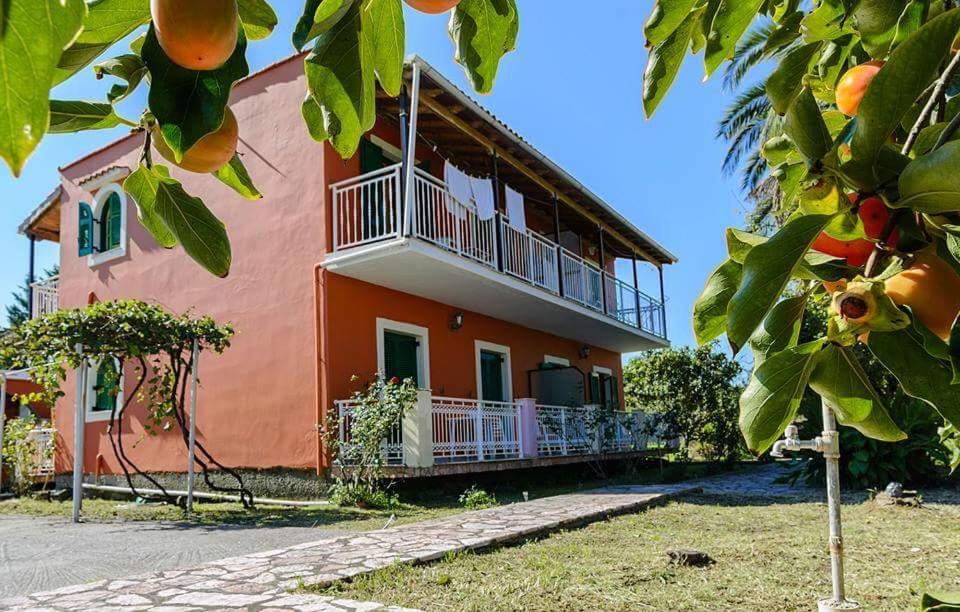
750 51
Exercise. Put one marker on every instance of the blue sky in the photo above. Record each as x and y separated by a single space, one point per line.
572 88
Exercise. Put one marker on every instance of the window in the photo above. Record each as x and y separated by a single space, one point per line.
494 381
403 350
110 224
604 388
102 235
553 360
104 389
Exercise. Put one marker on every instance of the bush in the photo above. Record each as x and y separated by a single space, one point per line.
476 498
21 455
363 496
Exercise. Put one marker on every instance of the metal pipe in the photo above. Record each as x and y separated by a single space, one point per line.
31 276
79 423
831 453
663 304
404 134
192 441
556 229
3 418
412 153
204 495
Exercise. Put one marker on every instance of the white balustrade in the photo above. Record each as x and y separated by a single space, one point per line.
469 430
46 296
392 444
529 257
367 209
563 430
43 441
581 281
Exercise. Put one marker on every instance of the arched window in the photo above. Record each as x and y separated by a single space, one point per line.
104 389
109 220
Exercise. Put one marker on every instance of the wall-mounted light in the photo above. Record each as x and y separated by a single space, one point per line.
584 351
456 321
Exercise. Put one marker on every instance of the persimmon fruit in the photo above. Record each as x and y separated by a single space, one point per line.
931 288
196 34
874 214
853 85
433 7
211 152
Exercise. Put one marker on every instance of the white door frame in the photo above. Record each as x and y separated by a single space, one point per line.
422 334
480 346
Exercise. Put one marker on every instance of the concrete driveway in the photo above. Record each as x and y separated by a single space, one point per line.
38 554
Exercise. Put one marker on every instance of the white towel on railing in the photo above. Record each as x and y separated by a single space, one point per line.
516 211
460 189
483 196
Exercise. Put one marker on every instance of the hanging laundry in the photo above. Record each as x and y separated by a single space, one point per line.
483 196
459 189
516 211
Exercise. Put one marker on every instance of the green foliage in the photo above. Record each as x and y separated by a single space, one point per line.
691 395
21 453
363 496
940 601
476 498
483 32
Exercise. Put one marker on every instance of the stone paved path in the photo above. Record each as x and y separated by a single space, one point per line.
264 580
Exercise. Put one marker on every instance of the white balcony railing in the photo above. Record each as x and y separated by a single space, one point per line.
392 445
369 209
43 441
469 430
46 296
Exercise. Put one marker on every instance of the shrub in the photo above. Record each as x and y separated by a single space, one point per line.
363 496
21 454
476 498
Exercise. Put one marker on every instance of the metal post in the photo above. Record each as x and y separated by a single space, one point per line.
404 133
3 416
663 304
636 292
79 422
603 274
31 276
831 453
556 229
411 153
497 201
192 445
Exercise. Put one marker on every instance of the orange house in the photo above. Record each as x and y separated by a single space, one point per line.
505 307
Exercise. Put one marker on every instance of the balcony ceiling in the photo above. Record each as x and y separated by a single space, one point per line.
420 269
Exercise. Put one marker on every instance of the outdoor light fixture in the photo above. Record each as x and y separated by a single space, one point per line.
456 321
584 351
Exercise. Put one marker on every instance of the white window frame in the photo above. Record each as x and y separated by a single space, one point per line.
94 416
560 361
480 346
422 334
101 257
602 370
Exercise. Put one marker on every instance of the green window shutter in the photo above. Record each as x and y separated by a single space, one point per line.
614 393
595 389
110 223
106 386
371 157
491 376
400 356
84 230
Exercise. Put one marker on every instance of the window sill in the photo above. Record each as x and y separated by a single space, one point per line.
97 416
97 259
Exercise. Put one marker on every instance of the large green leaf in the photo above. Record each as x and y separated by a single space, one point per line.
383 29
912 66
76 115
844 385
128 67
234 175
780 329
106 23
772 398
258 18
710 309
666 17
319 17
955 350
189 104
313 117
921 375
665 60
931 183
805 126
729 24
767 269
341 80
877 23
36 31
786 80
739 243
186 218
826 22
483 32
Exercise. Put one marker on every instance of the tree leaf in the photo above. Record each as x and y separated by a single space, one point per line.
75 115
844 385
786 80
877 22
187 218
780 329
920 374
912 66
710 309
313 117
772 398
825 22
665 60
767 269
729 25
805 126
955 351
258 18
666 17
129 68
189 104
739 243
483 32
36 31
340 79
234 175
318 17
931 183
142 188
384 31
106 23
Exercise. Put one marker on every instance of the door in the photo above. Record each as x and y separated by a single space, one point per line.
492 384
373 211
604 391
401 357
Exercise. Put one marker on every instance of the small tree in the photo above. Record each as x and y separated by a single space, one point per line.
157 343
692 395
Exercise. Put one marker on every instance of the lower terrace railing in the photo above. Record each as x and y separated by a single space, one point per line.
46 296
369 209
475 431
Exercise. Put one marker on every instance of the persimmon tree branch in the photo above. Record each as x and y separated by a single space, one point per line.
939 89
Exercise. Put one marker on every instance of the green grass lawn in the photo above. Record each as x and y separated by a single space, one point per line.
768 557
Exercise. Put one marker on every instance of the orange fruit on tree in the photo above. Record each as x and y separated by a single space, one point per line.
433 7
211 152
856 252
196 34
931 288
853 84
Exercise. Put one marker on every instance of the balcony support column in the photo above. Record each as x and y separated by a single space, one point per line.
31 276
663 304
497 229
556 231
404 134
418 432
603 273
636 291
411 158
527 413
